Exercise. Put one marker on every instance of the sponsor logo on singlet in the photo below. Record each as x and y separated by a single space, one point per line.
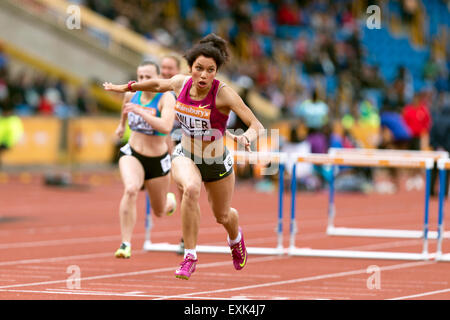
194 120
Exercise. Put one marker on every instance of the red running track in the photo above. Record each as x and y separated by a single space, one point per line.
48 234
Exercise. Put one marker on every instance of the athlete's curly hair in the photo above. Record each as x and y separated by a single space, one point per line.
211 46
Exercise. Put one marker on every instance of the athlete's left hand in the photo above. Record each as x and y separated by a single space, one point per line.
131 107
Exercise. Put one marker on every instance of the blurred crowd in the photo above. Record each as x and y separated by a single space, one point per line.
27 92
307 57
293 50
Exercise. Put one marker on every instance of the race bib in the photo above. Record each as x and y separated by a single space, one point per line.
165 163
178 151
137 122
228 162
126 149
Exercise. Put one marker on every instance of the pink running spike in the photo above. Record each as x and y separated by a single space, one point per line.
239 253
187 267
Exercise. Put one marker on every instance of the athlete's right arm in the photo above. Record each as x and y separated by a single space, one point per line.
154 85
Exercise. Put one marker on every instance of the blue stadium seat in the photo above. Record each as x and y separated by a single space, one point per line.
390 52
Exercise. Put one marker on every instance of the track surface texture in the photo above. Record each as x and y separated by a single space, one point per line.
59 243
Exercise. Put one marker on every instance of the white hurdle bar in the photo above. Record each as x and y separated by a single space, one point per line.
372 232
362 161
240 158
443 166
390 152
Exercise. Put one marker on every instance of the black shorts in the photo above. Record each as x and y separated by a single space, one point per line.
210 169
154 167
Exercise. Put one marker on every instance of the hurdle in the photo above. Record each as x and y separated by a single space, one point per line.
392 152
240 157
443 166
372 232
361 161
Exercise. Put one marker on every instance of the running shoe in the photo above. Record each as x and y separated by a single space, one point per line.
239 253
172 197
123 252
187 267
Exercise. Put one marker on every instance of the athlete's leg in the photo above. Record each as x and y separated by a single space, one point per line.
188 179
132 174
171 144
157 189
220 193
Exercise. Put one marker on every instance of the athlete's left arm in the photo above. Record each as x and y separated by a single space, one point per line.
161 124
229 98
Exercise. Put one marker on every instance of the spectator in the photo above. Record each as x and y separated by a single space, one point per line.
288 14
45 107
395 134
417 117
440 138
263 23
4 91
3 61
84 102
314 112
11 128
305 176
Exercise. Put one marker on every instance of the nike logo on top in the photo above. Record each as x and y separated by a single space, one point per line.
205 106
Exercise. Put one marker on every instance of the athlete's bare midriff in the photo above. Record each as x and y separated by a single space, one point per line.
150 146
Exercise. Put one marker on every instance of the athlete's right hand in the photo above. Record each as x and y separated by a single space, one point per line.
121 88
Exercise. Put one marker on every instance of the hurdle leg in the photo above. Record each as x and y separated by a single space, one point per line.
280 207
426 213
440 231
293 225
148 222
331 205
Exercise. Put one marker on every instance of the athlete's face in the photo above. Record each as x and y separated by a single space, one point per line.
203 72
147 72
169 68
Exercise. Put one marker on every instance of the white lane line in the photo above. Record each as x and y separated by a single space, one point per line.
215 264
57 259
298 280
99 293
158 234
135 273
58 242
421 294
114 275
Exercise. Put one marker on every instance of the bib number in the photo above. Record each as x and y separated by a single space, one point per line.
126 149
166 164
228 162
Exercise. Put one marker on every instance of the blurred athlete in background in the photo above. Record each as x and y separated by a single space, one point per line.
145 160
